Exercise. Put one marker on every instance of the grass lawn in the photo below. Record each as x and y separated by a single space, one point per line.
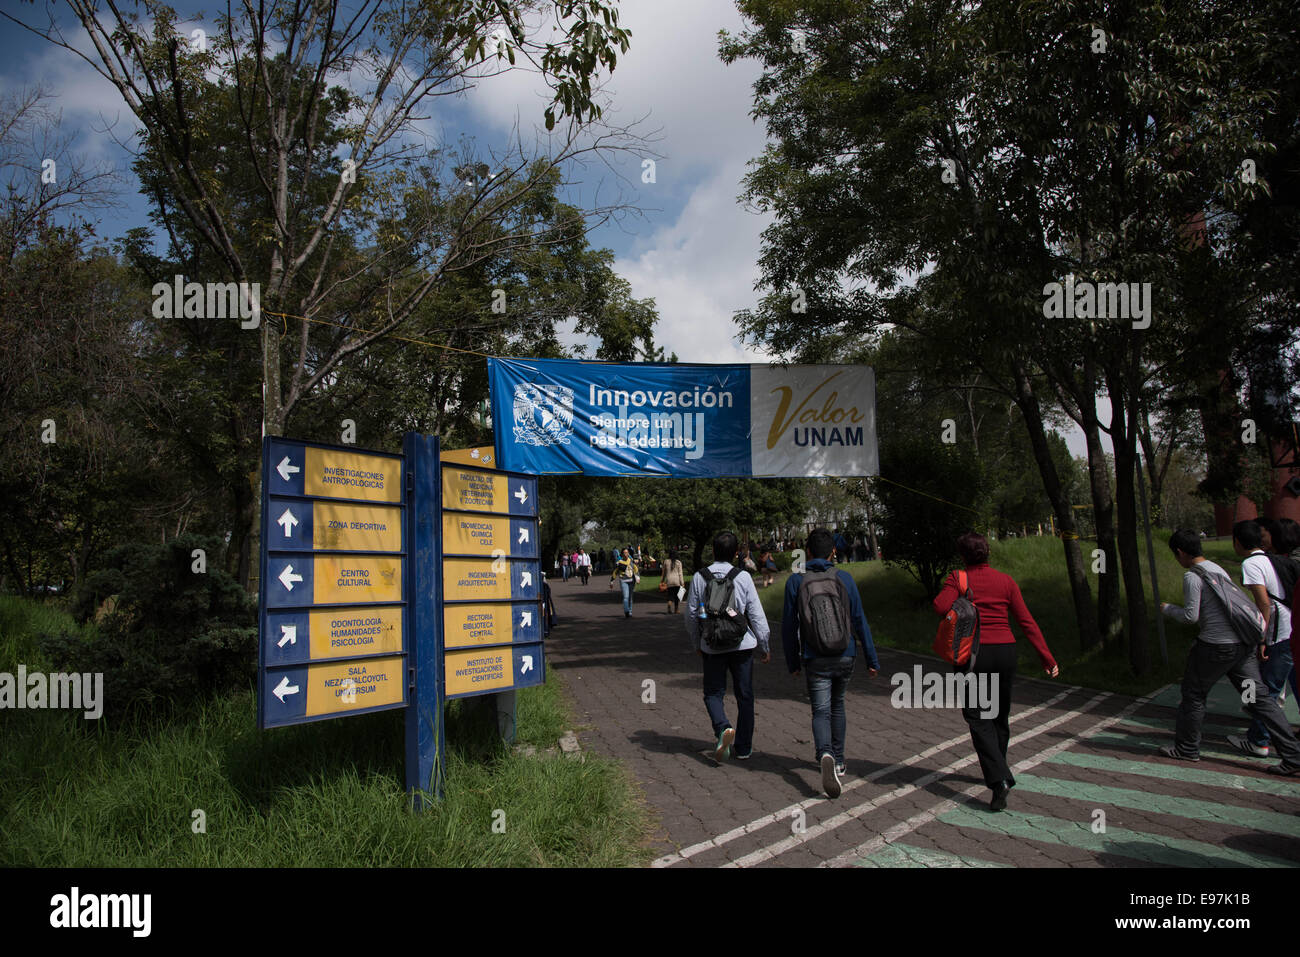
900 615
77 793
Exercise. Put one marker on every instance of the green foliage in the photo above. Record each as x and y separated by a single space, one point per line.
695 510
313 795
921 523
167 634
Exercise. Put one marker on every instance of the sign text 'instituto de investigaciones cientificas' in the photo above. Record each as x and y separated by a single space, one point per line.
558 416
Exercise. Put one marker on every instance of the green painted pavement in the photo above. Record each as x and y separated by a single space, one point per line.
1136 845
1206 750
1222 700
904 855
1193 809
1209 728
1284 787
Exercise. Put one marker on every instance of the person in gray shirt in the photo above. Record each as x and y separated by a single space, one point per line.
1216 653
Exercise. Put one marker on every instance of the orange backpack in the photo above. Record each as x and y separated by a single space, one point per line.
958 639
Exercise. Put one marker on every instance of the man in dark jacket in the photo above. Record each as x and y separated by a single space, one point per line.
827 674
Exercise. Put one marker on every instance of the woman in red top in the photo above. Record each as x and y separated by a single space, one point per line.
996 596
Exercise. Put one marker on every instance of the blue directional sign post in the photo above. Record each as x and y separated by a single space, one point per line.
492 586
334 617
354 587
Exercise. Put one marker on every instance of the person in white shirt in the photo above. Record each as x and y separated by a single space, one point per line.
584 565
1260 579
729 656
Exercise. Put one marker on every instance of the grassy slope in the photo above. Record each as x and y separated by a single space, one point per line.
900 615
81 793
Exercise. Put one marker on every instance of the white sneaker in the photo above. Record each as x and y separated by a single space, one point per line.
830 776
1241 743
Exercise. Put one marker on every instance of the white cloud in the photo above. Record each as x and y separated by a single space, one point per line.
700 269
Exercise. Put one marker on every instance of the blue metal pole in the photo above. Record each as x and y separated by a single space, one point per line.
425 735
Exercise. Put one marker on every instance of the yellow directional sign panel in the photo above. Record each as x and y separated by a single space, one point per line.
478 670
483 455
470 534
471 490
356 578
362 528
334 474
474 579
353 685
466 626
343 632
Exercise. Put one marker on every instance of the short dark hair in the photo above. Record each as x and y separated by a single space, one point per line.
1249 534
973 548
1287 537
724 547
820 543
1187 541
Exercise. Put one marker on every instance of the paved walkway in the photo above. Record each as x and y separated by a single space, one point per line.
1091 789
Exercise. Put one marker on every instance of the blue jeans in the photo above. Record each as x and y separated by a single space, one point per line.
627 595
1274 673
828 680
741 666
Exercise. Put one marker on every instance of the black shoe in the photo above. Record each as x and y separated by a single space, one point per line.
1171 751
1000 792
1284 769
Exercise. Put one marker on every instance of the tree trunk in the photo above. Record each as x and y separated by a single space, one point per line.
1030 410
1109 622
1124 438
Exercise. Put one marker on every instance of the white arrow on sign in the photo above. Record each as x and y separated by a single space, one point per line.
525 579
527 666
287 577
284 688
285 469
527 619
288 635
523 536
522 495
288 520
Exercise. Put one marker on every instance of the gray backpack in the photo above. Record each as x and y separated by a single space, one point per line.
824 614
1243 616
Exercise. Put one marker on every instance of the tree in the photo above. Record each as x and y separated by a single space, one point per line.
941 173
696 510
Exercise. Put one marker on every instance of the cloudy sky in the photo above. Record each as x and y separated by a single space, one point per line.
691 247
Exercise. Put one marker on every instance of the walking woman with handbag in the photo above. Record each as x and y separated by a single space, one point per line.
625 572
671 582
996 596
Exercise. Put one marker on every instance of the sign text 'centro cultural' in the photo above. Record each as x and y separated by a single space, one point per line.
560 416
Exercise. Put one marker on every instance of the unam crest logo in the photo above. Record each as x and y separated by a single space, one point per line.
543 414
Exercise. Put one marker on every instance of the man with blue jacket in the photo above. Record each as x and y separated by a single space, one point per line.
827 615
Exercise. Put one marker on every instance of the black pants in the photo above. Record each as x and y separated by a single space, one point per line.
990 735
1206 664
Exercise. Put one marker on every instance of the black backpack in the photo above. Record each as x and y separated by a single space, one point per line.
1287 570
824 614
721 626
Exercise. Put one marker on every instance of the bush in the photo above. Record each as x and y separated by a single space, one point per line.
173 635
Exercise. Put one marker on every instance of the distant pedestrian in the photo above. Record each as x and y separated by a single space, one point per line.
1219 651
997 597
725 636
820 627
671 582
584 565
768 562
626 573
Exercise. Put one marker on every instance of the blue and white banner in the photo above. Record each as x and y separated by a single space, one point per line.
563 416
